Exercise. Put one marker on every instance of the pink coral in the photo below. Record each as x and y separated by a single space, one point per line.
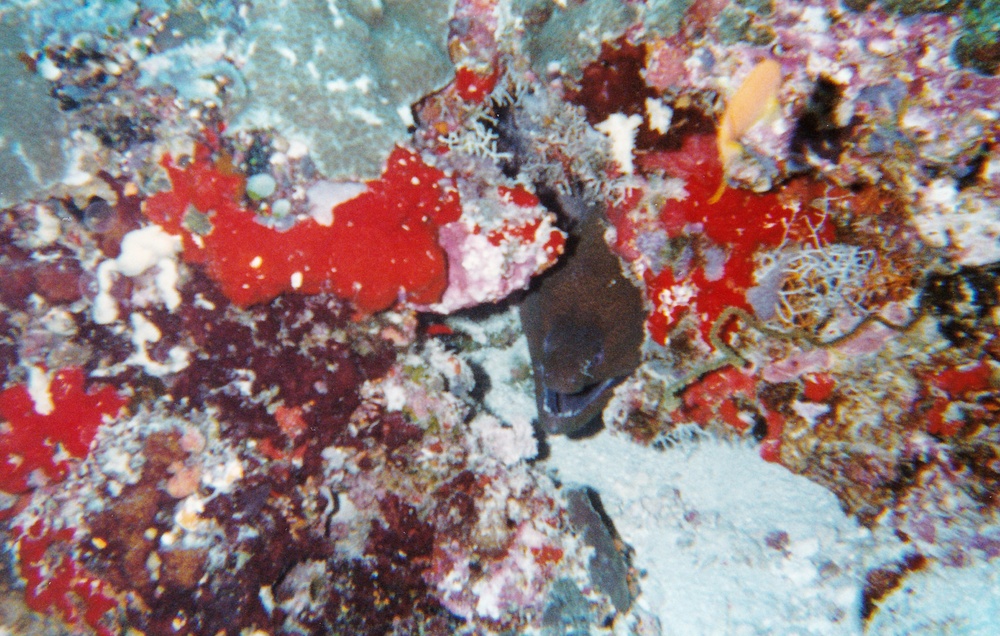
488 262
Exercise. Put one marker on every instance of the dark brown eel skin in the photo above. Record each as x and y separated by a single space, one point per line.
584 322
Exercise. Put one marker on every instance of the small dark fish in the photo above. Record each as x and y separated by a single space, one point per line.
585 325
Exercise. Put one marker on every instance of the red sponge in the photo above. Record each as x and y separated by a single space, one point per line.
382 246
30 441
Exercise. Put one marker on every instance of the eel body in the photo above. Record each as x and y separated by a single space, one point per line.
584 321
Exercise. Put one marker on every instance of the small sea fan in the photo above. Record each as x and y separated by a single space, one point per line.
814 284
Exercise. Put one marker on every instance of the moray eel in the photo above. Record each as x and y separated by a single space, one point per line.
584 322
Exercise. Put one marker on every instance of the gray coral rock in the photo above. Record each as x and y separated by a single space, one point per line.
341 76
608 567
567 39
31 127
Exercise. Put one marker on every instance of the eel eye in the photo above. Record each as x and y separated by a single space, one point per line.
596 361
598 358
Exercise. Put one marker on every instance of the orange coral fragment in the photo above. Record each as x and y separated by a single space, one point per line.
756 97
290 421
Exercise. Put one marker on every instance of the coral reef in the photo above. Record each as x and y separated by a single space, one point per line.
565 38
271 337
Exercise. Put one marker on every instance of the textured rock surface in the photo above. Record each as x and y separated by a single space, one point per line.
31 127
341 80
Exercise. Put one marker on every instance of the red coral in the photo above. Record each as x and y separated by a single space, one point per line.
770 446
626 230
518 195
439 329
381 247
818 387
524 231
58 584
741 219
958 382
730 395
31 440
290 421
555 245
547 555
719 395
472 86
663 315
954 395
940 418
741 223
202 187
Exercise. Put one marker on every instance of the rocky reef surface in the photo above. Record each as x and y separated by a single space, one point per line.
261 365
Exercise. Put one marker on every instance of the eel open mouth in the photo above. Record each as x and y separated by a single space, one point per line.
559 404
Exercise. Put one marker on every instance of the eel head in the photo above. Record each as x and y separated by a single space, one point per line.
584 323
